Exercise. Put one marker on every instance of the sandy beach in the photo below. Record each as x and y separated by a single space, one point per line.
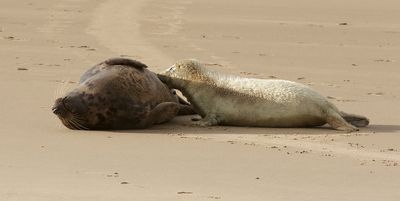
346 50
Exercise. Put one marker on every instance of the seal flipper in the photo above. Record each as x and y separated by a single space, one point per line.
209 120
111 62
182 101
186 110
126 62
355 120
337 122
163 112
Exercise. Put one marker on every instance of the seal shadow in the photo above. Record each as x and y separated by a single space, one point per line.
181 125
384 128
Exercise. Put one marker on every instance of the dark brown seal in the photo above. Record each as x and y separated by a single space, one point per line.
119 94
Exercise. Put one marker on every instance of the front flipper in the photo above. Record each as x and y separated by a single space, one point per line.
209 120
163 112
186 110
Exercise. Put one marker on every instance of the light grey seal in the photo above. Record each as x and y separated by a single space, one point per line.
222 99
119 94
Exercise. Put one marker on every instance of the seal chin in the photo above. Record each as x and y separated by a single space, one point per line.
73 123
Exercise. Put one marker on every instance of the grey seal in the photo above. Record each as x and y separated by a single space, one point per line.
222 99
119 93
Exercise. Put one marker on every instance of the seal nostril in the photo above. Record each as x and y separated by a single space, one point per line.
55 110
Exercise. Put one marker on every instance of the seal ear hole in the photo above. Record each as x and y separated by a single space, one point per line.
113 110
100 117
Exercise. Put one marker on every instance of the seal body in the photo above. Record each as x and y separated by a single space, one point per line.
118 94
238 101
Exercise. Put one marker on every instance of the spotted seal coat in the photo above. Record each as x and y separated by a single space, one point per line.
233 100
119 93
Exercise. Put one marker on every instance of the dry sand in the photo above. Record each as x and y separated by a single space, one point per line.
347 50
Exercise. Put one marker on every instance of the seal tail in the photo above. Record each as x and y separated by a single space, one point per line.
355 120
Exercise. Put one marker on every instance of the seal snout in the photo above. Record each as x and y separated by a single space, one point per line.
59 108
55 110
170 70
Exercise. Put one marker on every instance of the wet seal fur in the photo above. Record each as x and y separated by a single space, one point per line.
223 99
119 93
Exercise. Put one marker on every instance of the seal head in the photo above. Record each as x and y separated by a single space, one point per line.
118 94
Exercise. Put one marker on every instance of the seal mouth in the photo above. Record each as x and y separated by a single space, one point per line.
60 108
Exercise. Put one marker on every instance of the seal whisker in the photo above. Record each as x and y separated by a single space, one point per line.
83 127
67 124
79 121
77 117
63 88
80 126
57 93
75 125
